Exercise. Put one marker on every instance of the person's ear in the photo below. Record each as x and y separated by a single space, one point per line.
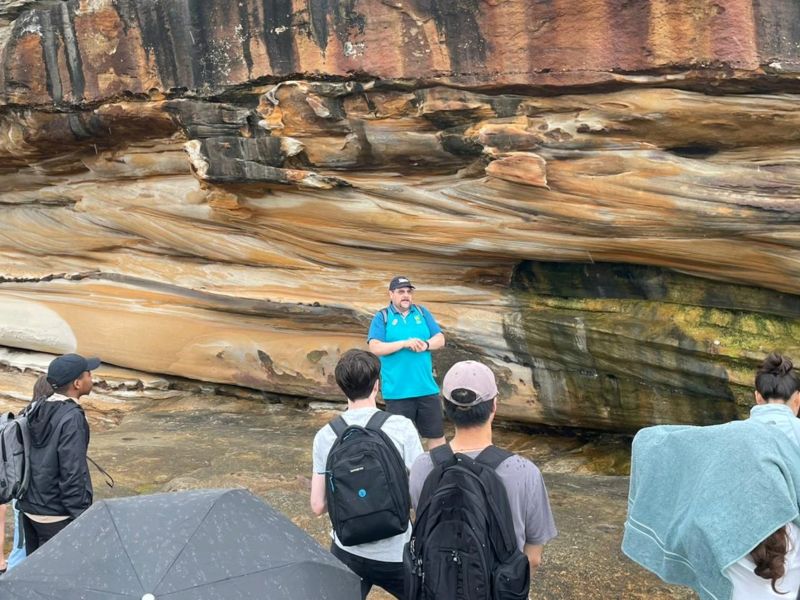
794 402
759 398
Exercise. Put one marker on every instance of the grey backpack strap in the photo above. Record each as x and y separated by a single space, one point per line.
26 448
377 420
385 314
339 425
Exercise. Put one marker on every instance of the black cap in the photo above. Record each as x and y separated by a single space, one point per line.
68 368
400 282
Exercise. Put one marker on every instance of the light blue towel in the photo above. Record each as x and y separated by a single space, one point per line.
18 551
701 498
779 415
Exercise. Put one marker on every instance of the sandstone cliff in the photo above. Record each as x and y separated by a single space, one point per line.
599 199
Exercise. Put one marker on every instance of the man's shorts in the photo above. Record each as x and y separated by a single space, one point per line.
424 411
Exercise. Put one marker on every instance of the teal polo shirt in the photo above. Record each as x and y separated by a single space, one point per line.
405 374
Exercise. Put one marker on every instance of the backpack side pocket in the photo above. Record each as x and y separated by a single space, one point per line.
511 579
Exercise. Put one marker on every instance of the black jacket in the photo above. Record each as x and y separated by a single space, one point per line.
60 484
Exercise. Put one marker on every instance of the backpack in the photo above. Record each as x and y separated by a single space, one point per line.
463 545
15 449
366 483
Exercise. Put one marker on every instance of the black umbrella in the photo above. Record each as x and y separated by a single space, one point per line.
195 545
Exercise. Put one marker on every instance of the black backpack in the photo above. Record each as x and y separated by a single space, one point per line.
366 483
463 545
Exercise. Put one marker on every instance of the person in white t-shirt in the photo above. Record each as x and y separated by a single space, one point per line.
772 569
377 563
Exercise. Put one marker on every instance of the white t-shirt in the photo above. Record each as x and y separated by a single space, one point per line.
749 586
404 435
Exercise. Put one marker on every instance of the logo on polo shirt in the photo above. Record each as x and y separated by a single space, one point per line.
418 319
394 322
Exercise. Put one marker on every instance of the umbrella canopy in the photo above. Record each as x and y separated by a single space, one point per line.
220 544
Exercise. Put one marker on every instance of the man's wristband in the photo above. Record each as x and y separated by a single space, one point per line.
427 344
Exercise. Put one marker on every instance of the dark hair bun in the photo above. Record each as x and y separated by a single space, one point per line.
775 364
776 379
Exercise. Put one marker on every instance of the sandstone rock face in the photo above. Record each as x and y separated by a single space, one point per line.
598 199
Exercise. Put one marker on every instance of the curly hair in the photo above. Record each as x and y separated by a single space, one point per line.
770 557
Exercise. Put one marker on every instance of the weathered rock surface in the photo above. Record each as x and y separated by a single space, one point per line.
599 199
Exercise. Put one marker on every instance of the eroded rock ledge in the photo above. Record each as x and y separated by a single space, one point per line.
601 203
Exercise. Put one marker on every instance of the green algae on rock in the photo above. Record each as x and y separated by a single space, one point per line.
641 345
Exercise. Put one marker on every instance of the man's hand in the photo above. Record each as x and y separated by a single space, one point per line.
416 345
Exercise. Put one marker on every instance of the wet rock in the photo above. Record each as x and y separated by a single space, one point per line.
221 195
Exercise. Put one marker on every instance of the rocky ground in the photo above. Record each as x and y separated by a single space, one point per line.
159 439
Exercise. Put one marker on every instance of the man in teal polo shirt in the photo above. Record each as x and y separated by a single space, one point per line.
403 335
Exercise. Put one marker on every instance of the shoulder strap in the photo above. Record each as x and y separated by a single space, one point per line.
338 425
442 454
377 420
109 478
385 314
442 457
493 457
31 406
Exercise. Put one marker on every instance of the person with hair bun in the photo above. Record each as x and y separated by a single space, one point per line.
772 569
777 395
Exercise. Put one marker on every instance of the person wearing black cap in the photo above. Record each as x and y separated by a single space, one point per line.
403 335
60 487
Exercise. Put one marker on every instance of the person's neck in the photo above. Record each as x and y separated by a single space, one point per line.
472 438
401 311
788 404
368 402
71 394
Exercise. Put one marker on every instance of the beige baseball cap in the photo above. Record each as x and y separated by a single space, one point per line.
472 376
